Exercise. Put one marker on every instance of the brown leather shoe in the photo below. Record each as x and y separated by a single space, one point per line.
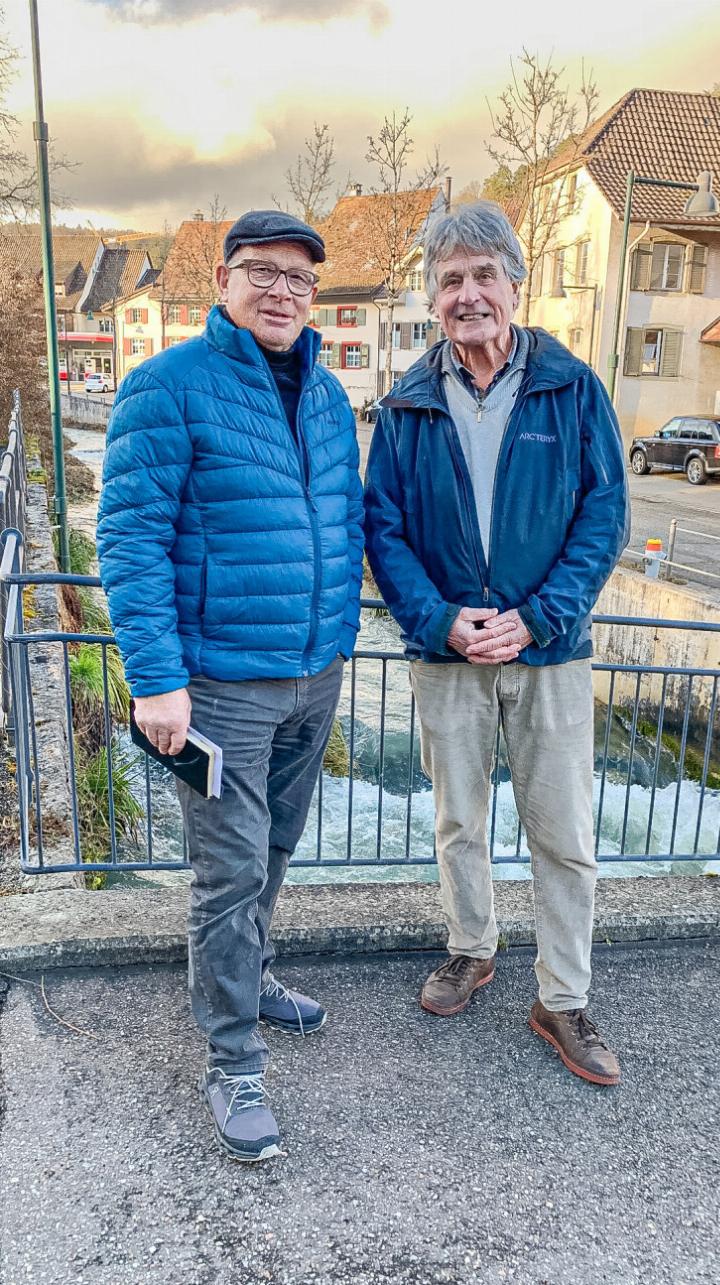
449 988
578 1043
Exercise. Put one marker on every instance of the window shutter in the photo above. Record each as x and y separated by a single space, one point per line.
383 334
148 347
183 314
128 317
633 352
127 347
641 265
406 334
431 334
696 263
671 352
144 316
360 315
336 356
365 356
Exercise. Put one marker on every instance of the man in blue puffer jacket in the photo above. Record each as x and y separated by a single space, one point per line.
230 545
496 508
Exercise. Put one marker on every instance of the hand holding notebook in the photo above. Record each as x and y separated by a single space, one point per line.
199 762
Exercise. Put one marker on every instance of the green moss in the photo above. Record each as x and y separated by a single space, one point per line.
337 758
694 761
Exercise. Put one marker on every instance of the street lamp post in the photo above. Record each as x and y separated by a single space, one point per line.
40 133
703 202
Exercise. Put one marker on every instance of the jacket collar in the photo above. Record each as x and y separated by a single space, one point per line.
549 365
240 345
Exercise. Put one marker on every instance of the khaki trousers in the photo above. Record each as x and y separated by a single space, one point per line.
547 719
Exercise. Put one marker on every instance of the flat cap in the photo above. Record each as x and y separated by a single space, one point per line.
263 227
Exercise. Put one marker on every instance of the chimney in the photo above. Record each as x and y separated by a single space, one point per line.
356 189
448 191
198 217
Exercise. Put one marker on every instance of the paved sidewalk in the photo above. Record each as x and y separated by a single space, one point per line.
420 1150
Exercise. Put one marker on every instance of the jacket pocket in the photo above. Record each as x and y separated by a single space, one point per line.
572 492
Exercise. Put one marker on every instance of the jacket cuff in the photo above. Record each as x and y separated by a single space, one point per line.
440 628
347 640
534 623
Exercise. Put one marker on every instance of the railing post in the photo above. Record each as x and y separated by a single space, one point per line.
671 548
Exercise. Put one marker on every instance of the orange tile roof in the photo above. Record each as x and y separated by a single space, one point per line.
22 244
659 134
195 251
350 237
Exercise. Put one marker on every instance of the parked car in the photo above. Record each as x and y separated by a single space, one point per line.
688 444
96 383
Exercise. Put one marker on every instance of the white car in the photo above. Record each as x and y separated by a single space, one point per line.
97 383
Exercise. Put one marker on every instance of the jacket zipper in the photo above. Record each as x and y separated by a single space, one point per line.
473 541
304 461
506 437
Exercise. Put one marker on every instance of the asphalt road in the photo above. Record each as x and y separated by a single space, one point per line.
420 1151
659 497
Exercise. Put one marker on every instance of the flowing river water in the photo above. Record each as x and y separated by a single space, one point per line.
632 795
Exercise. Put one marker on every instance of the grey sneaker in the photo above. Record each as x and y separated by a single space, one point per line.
244 1125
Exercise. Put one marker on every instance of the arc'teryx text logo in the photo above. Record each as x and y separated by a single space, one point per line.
536 437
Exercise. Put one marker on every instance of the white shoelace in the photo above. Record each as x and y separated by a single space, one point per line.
275 990
251 1087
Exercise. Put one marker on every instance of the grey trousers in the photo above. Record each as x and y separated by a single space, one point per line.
547 718
273 735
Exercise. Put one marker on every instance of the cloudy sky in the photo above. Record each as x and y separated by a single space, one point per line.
164 102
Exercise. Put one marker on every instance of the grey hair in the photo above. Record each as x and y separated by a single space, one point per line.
480 228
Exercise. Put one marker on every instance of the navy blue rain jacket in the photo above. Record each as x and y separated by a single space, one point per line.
560 517
227 548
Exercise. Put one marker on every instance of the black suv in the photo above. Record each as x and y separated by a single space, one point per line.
689 444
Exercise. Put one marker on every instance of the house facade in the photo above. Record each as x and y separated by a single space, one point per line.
669 356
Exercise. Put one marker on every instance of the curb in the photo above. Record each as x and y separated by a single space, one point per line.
71 929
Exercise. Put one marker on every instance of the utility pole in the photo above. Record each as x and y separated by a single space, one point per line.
40 133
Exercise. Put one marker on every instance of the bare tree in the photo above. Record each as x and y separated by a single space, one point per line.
309 180
397 215
536 117
191 274
18 178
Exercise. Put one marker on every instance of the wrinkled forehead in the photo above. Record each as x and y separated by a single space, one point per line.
284 254
464 261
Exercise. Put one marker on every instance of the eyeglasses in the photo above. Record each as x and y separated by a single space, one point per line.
263 275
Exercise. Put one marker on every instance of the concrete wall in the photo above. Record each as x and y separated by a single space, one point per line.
85 410
628 593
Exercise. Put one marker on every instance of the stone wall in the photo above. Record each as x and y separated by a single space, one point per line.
85 410
628 593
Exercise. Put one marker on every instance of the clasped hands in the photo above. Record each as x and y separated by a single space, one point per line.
501 637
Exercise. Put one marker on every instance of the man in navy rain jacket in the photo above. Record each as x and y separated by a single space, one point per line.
230 544
496 508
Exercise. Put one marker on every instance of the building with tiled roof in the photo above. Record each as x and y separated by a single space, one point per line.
351 305
669 354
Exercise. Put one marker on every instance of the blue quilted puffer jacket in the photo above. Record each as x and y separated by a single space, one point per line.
226 547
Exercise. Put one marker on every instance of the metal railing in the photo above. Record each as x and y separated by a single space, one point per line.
657 795
13 499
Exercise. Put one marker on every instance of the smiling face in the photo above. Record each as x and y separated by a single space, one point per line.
272 314
475 299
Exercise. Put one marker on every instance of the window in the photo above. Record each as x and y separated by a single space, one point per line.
174 340
195 316
355 356
572 201
325 355
416 279
347 316
536 279
575 340
105 326
419 334
396 333
658 266
558 276
581 262
136 315
138 348
651 350
174 314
